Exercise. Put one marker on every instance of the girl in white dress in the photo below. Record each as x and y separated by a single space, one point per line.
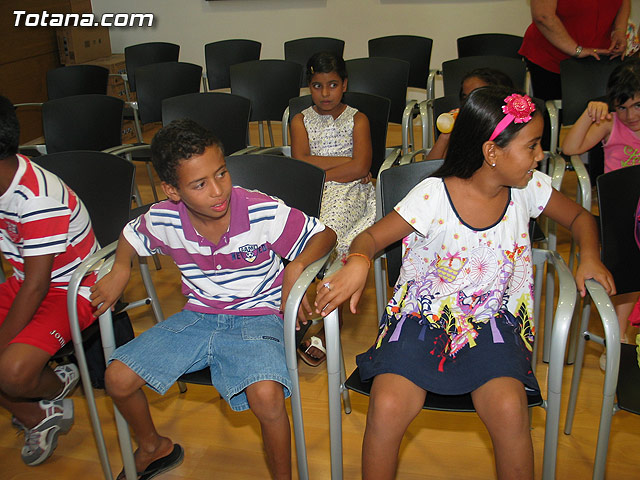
336 138
460 320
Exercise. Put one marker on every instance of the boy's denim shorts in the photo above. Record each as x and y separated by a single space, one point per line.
239 351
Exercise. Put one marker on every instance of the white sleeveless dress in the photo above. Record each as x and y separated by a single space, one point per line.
347 208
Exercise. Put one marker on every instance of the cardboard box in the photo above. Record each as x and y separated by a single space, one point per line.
114 63
80 6
81 44
129 132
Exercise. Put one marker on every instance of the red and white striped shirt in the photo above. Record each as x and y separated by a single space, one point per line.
40 215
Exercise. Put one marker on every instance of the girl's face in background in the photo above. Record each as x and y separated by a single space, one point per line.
326 93
629 113
469 85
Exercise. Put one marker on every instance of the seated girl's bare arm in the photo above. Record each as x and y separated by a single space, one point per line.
360 163
110 287
300 147
349 281
439 149
585 232
592 126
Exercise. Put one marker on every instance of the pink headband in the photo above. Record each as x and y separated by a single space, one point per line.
517 109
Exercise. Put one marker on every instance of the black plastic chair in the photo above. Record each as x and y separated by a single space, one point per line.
136 56
155 83
268 84
410 48
104 183
454 70
501 44
219 56
82 122
301 49
388 78
76 80
224 114
618 194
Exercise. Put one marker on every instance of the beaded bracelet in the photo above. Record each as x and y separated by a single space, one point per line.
359 255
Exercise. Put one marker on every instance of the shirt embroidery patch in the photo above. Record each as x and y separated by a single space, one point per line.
249 253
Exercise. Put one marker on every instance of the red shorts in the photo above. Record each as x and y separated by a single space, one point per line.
49 328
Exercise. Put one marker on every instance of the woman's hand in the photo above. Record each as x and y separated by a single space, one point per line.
594 52
618 45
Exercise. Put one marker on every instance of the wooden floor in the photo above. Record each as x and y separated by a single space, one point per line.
225 445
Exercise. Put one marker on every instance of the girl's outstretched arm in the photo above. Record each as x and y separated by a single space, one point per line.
594 124
300 147
584 231
349 281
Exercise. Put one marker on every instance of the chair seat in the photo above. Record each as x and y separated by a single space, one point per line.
628 390
434 401
200 377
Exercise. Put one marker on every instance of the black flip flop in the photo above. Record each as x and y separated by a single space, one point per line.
162 465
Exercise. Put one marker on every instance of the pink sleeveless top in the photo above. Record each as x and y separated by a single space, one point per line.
622 149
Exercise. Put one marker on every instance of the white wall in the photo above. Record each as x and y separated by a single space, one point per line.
193 23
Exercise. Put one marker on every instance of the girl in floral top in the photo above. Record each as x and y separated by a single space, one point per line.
461 316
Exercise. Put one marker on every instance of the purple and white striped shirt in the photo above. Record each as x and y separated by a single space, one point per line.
240 275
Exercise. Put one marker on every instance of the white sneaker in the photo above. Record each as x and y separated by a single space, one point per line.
41 440
69 375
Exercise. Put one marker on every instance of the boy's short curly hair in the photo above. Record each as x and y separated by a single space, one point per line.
9 129
177 141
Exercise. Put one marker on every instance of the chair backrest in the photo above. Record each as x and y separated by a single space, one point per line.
410 48
618 193
583 80
454 70
219 56
104 183
298 184
82 122
76 80
224 114
382 76
164 80
301 49
268 84
136 56
500 44
376 109
395 183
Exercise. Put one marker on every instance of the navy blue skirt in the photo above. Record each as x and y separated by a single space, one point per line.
426 356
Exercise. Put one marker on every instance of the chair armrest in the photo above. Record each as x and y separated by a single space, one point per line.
584 182
407 123
39 148
609 319
553 106
557 169
277 150
249 149
431 81
293 303
426 117
128 148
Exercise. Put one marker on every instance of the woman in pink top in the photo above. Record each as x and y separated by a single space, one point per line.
619 133
571 28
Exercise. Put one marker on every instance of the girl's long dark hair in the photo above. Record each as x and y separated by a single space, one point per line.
475 124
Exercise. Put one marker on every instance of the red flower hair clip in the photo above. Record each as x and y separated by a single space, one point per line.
517 109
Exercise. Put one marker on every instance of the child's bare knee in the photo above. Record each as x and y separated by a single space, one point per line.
17 376
120 380
266 399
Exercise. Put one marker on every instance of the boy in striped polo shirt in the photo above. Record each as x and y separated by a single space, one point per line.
228 243
45 233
